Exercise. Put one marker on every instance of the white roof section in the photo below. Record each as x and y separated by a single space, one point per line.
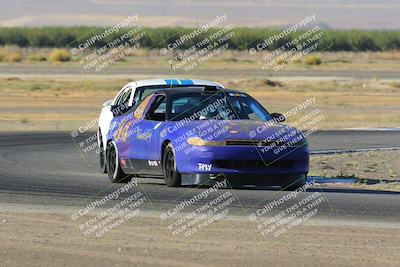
173 82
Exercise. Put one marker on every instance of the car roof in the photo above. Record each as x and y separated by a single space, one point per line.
173 82
194 89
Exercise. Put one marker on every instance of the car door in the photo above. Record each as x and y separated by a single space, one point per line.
145 145
154 121
124 130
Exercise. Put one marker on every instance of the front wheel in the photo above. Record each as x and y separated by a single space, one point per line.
171 175
114 170
295 183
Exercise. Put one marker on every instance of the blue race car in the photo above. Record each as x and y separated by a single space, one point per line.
198 135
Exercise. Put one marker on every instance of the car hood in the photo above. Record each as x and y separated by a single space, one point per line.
221 130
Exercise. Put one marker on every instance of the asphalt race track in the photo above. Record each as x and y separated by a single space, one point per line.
49 169
9 71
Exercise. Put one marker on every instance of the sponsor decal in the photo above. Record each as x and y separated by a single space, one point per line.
153 163
144 136
204 167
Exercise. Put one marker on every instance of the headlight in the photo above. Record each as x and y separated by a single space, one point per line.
197 141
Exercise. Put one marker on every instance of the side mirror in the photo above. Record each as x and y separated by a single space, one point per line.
121 109
278 116
107 103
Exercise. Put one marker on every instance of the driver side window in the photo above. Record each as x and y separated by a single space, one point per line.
157 110
142 107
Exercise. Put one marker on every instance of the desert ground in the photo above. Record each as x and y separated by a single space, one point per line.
49 238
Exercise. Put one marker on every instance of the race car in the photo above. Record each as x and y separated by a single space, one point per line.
197 136
129 97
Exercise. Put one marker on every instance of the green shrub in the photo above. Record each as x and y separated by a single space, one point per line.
272 83
33 87
60 55
313 59
395 84
2 55
281 61
243 39
37 57
13 57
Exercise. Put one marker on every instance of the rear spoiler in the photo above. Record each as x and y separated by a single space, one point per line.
211 89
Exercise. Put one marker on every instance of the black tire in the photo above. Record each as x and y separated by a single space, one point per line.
114 170
295 184
231 183
102 154
171 176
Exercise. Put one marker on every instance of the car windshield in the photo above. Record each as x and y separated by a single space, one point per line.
142 92
217 106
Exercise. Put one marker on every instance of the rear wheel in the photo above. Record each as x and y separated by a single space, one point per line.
102 154
114 170
171 175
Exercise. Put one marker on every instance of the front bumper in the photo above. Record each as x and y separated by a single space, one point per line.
243 179
243 160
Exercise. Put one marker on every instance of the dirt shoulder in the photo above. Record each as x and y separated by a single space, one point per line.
53 239
364 166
